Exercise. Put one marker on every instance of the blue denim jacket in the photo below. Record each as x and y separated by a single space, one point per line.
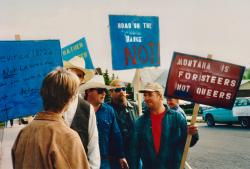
173 137
107 127
177 108
195 137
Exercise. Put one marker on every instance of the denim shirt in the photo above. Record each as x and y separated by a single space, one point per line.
107 127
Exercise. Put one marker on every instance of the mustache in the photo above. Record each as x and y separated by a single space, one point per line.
123 94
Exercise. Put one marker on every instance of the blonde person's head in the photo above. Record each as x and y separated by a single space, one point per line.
58 88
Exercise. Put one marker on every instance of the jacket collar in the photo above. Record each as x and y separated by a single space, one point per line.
147 111
51 116
129 104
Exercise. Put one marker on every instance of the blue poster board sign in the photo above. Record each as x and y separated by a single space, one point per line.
134 41
78 48
23 66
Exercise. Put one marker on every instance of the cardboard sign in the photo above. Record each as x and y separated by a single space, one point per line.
23 66
204 81
78 48
134 41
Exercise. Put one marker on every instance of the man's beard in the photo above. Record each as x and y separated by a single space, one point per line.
121 100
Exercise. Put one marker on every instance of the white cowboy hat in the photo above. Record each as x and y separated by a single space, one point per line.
96 82
78 62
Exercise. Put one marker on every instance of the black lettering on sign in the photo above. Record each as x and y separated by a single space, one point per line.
26 92
9 72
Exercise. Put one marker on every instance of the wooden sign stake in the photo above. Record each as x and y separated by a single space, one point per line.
189 137
138 87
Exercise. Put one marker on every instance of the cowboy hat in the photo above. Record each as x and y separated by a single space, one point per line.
78 62
96 82
117 83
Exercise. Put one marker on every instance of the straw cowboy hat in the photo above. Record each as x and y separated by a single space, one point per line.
78 62
117 83
96 82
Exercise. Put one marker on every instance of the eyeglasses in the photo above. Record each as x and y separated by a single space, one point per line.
117 90
100 90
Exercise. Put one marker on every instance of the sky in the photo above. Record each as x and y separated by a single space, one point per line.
198 27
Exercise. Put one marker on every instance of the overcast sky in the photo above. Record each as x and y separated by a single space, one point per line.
199 27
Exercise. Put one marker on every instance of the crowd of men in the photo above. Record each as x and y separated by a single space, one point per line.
108 135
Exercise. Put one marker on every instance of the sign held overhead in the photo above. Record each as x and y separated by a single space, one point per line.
23 65
134 41
203 80
78 50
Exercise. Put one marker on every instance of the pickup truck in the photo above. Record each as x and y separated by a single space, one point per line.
239 114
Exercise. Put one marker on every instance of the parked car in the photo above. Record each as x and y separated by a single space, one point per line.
239 114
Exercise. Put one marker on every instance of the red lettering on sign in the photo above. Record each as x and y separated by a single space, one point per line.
143 54
128 54
140 53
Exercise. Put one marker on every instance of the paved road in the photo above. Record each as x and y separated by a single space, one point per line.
221 147
9 136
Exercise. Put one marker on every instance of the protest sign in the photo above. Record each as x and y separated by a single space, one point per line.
134 41
203 80
23 66
78 49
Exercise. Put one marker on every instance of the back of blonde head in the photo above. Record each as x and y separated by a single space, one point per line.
58 88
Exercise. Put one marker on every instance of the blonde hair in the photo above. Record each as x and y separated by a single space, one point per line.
58 88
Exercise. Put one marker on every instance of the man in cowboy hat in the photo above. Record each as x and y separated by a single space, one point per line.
95 92
76 64
126 113
80 115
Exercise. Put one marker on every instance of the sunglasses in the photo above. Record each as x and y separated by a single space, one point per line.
117 90
100 90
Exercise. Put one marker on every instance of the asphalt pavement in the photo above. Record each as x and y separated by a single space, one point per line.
221 147
9 136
